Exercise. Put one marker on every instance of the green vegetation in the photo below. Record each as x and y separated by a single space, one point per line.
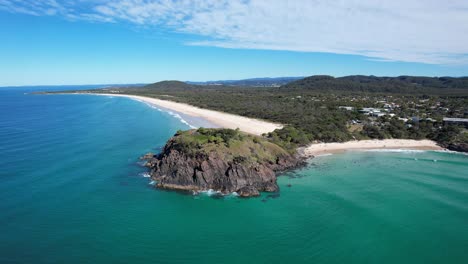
230 145
394 85
412 107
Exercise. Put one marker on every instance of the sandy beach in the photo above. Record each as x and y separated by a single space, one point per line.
219 119
327 148
258 127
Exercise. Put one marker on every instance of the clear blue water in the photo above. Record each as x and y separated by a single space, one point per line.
72 191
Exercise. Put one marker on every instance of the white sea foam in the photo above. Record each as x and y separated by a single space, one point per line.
176 115
145 174
324 155
451 151
152 183
211 192
181 119
396 150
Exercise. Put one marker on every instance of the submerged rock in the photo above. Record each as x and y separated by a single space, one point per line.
223 160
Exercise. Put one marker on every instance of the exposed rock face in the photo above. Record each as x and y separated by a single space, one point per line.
176 169
147 156
461 147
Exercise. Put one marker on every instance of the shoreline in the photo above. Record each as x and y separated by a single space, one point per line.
372 144
211 118
198 117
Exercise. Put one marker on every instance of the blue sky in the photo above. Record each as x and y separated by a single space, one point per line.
136 41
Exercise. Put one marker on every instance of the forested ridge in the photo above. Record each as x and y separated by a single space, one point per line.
401 84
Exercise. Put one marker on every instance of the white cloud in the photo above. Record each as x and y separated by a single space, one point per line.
428 31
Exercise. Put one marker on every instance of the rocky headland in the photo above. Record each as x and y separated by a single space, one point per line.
223 160
457 146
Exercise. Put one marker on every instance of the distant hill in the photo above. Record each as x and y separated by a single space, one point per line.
253 82
324 83
170 85
401 84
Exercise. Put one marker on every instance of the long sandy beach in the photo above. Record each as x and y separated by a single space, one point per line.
327 148
220 119
259 127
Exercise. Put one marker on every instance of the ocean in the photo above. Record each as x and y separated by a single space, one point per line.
72 190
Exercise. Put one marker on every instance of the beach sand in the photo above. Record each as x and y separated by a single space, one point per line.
258 127
218 119
327 148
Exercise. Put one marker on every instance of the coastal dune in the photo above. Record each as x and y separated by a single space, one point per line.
327 148
220 119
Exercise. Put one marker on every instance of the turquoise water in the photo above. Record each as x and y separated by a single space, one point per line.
72 191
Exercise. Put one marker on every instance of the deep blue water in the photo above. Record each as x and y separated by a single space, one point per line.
72 191
60 155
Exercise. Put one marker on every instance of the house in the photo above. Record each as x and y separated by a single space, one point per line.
378 114
369 110
372 112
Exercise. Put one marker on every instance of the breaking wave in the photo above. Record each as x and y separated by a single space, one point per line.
323 155
145 174
396 150
176 115
213 193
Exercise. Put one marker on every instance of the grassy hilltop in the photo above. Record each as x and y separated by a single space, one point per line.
228 144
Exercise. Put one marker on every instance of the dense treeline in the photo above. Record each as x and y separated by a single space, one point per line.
401 84
315 117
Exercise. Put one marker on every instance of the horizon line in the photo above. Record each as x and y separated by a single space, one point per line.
187 81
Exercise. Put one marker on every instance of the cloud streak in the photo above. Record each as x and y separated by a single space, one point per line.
429 31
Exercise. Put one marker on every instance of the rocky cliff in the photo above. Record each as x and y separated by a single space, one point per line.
460 147
222 160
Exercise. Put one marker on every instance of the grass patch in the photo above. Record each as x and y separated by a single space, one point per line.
228 144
